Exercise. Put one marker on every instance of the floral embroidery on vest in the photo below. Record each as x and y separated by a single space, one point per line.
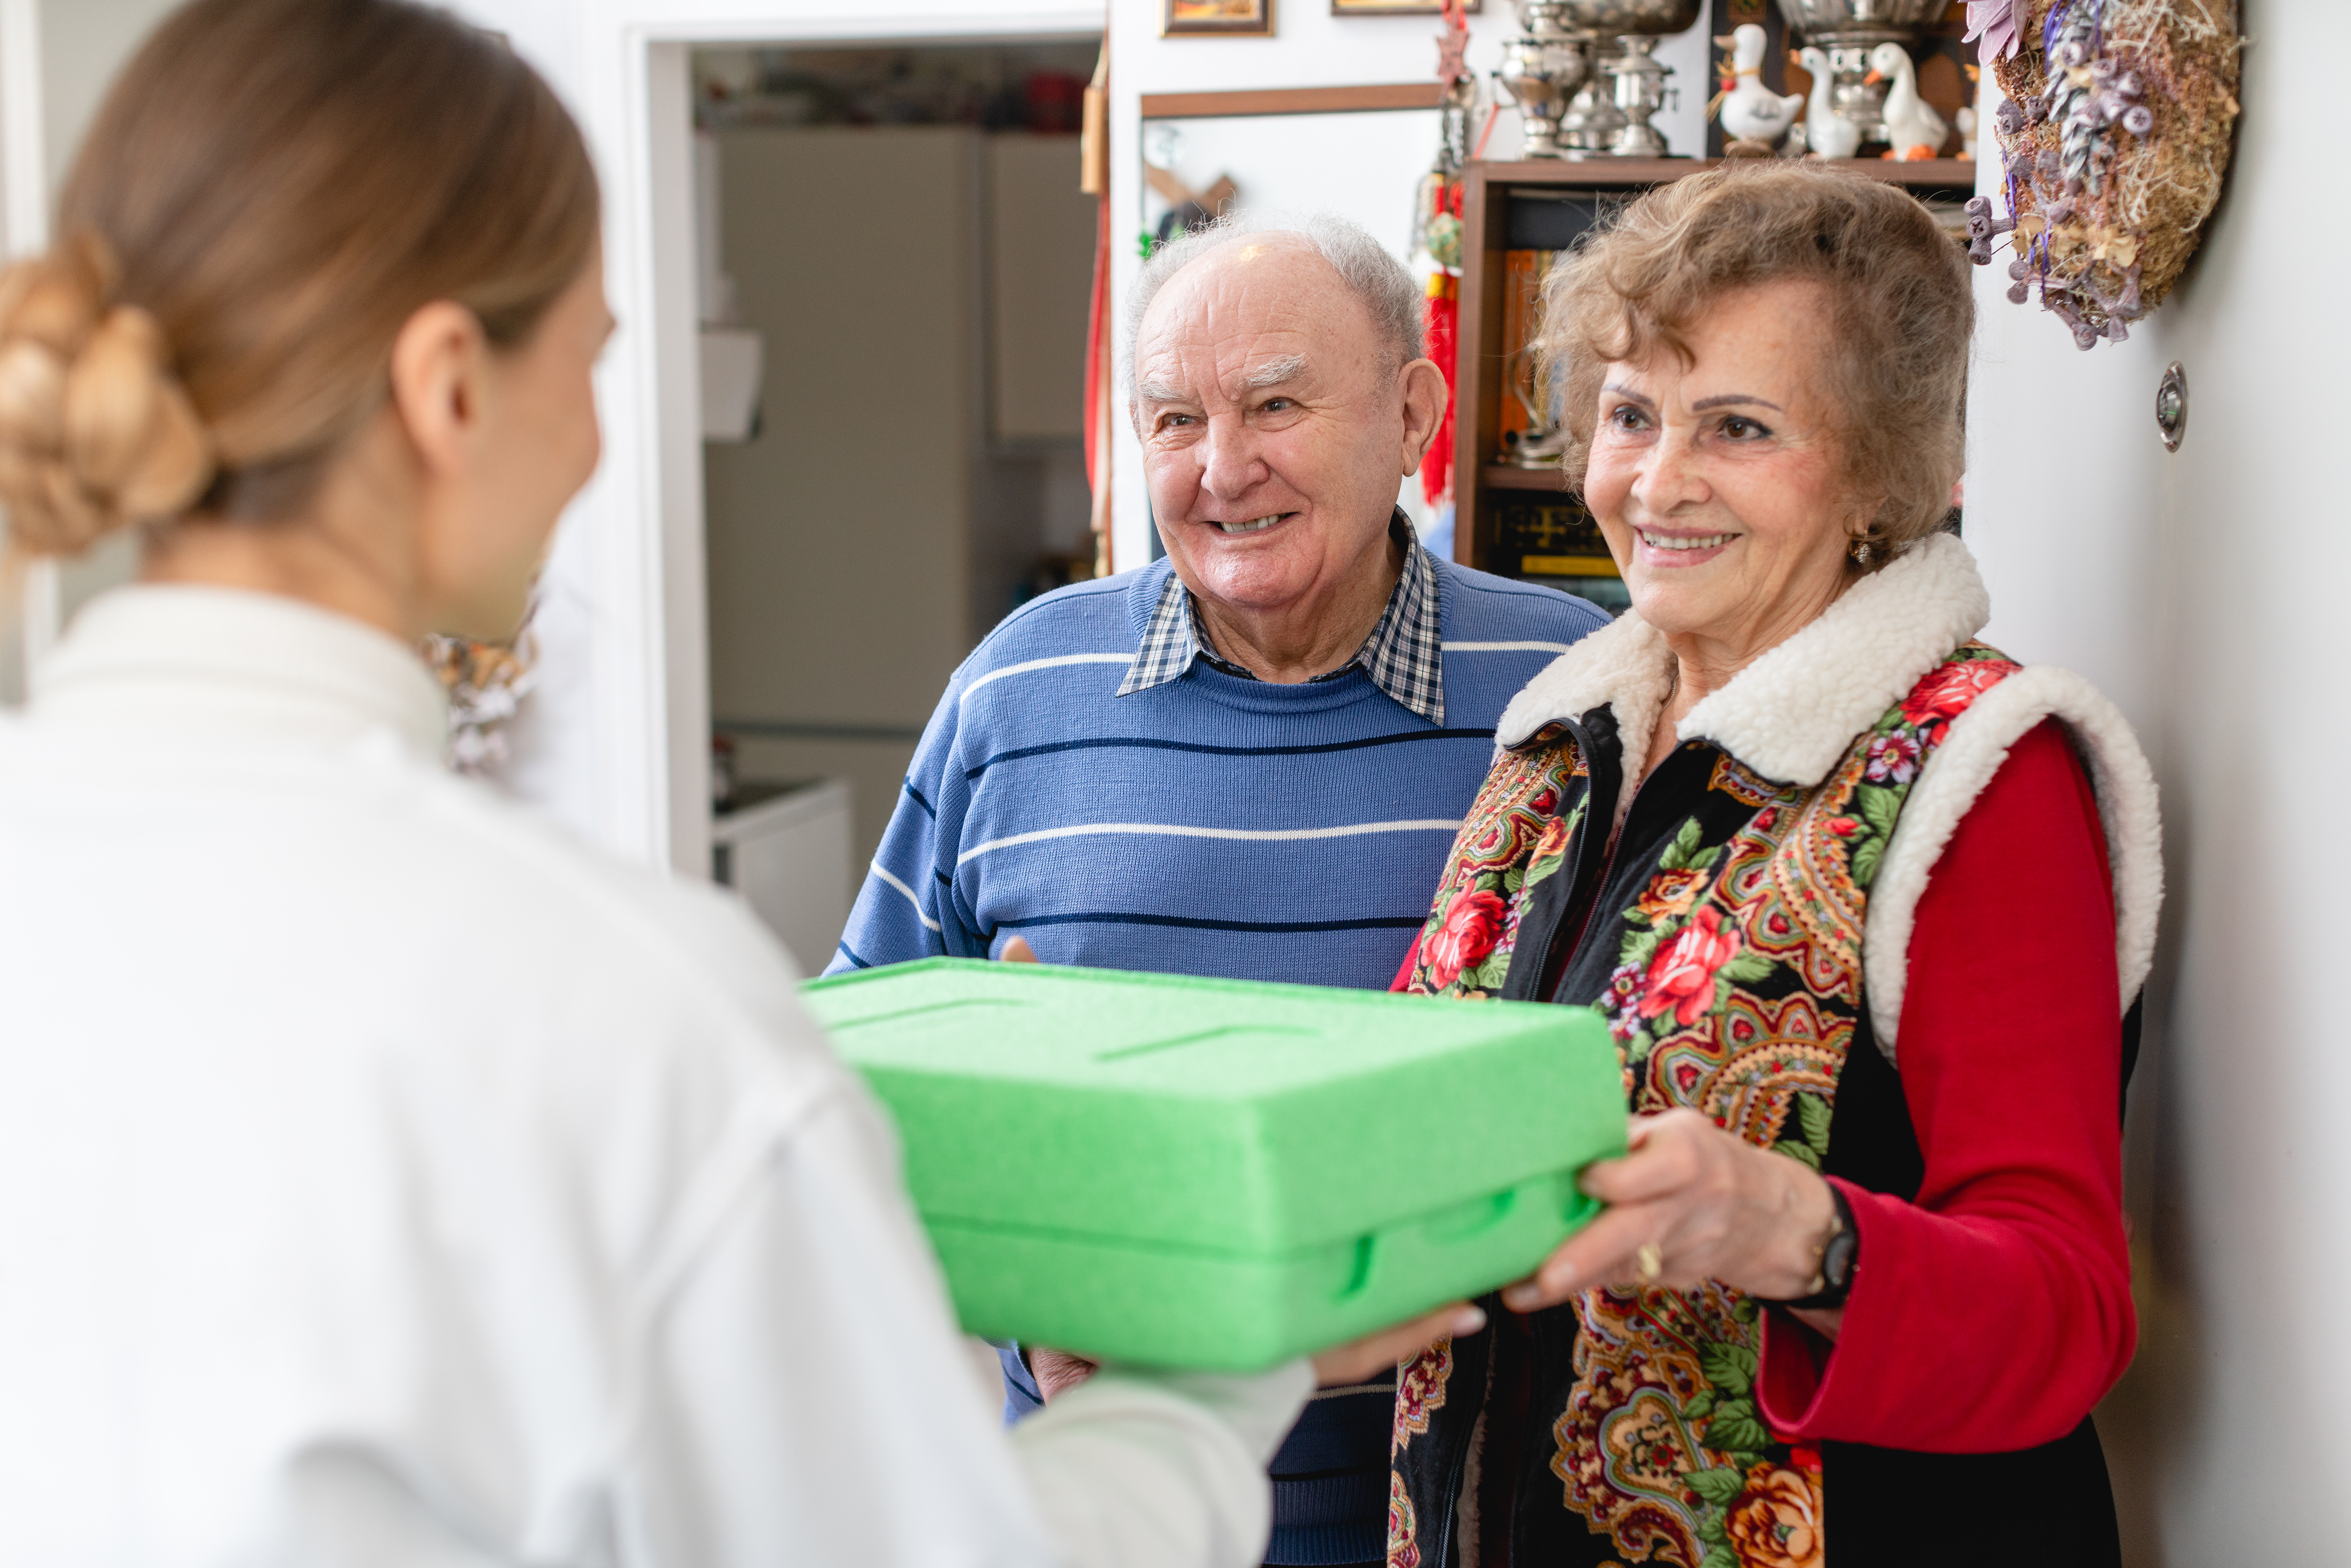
1737 991
1404 1536
1420 1393
1513 838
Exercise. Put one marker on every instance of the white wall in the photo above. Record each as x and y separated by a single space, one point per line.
1310 48
2205 593
1365 166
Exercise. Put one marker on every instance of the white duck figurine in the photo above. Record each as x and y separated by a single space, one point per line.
1751 111
1912 128
1829 133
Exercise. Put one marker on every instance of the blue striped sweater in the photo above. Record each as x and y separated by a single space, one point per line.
1212 825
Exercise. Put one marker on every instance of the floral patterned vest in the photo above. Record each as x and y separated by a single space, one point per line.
1727 963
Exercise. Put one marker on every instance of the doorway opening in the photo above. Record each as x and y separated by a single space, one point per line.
895 282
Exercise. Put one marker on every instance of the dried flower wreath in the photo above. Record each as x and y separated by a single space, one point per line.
2114 136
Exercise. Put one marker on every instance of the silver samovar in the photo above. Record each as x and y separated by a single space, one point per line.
1846 30
1627 82
1545 62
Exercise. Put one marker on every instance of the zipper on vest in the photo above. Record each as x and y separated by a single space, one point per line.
1604 755
1585 902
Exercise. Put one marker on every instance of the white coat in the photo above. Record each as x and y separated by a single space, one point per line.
385 1179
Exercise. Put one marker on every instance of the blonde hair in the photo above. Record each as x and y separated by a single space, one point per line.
1894 345
270 190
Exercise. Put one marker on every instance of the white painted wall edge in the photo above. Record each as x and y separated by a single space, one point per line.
24 195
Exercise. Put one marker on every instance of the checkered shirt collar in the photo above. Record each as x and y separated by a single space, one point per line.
1403 656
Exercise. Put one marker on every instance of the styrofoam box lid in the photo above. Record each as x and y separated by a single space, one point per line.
1224 1114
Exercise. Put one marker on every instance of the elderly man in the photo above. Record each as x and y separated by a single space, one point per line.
1248 759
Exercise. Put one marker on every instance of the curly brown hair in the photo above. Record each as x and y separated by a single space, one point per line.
1894 350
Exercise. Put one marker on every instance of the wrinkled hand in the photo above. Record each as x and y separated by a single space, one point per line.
1381 1352
1058 1371
1689 1202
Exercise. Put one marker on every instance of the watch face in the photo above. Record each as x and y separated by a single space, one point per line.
1837 1261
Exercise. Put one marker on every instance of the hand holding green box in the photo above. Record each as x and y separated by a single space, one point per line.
1221 1174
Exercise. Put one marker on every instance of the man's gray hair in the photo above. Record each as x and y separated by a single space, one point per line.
1362 264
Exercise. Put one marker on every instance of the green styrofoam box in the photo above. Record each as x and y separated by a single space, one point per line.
1221 1174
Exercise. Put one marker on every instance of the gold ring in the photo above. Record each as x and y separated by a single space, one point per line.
1651 1262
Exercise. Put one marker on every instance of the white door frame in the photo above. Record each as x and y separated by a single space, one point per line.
25 229
624 739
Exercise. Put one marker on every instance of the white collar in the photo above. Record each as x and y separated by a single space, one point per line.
232 664
1795 710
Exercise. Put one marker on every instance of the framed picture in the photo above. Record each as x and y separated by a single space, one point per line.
1393 8
1210 18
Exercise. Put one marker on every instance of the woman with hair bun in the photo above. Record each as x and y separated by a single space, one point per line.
384 1178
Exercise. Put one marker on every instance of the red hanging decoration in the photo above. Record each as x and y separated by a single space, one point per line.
1437 233
1442 314
1094 179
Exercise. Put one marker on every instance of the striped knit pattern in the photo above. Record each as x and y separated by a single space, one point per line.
1208 826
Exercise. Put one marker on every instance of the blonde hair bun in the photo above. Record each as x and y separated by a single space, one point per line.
96 430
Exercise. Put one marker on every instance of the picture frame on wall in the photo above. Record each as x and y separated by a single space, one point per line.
1393 7
1216 18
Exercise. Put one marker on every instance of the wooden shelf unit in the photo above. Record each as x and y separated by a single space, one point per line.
1483 484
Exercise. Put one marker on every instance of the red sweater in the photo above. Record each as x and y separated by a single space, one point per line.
1993 1311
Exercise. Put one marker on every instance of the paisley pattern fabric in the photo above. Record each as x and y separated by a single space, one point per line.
1727 959
1515 834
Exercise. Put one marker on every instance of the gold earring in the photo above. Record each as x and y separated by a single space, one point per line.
1861 551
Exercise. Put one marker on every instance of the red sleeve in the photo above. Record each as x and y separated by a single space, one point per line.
1995 1311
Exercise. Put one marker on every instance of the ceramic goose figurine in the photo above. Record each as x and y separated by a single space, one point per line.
1829 133
1912 128
1751 111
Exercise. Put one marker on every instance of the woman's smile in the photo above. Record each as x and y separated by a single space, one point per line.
1667 548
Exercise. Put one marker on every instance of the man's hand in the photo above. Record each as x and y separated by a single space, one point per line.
1016 951
1381 1352
1056 1370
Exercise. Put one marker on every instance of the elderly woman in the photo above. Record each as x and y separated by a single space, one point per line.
1849 1304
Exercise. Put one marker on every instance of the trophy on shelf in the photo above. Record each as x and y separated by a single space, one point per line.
1846 31
1618 85
1541 444
1532 436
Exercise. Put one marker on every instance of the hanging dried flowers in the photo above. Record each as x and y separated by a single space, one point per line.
2113 137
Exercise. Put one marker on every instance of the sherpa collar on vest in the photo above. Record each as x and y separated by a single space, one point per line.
1793 712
